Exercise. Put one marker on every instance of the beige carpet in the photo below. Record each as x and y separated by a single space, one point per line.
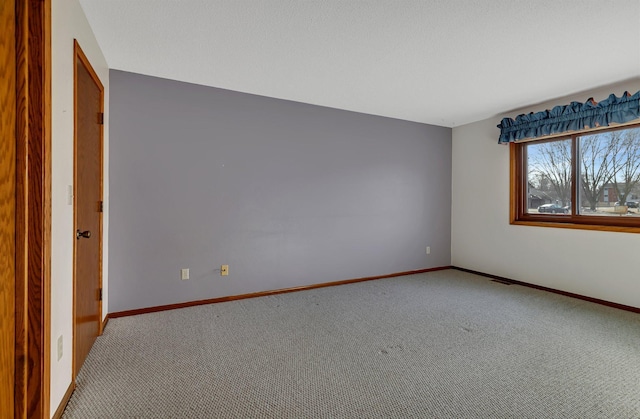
436 345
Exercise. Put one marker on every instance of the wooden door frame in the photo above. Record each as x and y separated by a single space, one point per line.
33 208
78 54
7 205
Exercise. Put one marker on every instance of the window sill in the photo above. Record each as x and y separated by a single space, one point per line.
576 226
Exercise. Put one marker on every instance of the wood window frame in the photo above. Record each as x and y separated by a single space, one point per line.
518 198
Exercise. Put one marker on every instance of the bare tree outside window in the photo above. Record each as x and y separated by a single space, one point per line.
626 162
596 166
549 168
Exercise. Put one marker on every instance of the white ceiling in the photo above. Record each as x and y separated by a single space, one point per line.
442 62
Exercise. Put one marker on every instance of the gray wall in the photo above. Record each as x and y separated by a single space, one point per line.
287 194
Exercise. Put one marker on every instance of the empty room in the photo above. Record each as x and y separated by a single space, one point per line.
300 209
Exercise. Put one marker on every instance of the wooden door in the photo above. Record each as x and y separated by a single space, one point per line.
88 208
7 205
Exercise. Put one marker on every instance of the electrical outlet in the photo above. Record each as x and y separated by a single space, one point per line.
185 274
59 347
428 250
224 270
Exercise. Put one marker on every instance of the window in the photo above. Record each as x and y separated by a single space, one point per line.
587 180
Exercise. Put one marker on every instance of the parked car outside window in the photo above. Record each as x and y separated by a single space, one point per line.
552 209
630 204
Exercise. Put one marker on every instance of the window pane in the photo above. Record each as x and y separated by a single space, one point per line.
610 173
548 169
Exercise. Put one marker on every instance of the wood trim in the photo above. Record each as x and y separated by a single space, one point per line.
552 290
101 251
575 177
33 207
575 226
79 53
7 205
65 400
75 216
265 293
46 244
515 179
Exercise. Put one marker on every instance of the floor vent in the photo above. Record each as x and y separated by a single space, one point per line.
501 281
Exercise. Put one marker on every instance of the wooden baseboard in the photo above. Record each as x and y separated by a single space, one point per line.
64 401
555 291
264 293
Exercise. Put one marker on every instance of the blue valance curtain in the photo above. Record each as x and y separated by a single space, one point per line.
573 117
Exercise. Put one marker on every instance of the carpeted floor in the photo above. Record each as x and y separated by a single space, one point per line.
436 345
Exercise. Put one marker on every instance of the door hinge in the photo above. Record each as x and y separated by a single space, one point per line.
101 206
101 118
100 294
